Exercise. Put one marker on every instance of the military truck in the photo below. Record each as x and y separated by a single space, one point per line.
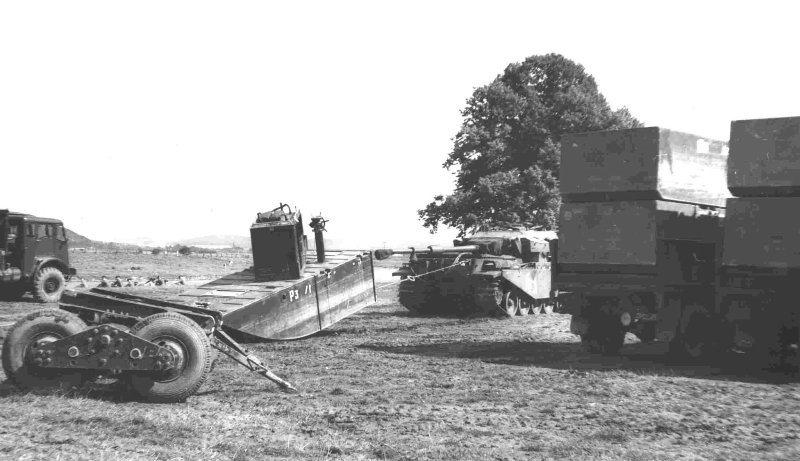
34 257
640 236
494 271
760 274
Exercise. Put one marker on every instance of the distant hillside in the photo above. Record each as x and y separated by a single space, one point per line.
77 240
227 240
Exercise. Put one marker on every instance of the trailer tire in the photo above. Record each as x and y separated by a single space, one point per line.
192 350
44 325
48 284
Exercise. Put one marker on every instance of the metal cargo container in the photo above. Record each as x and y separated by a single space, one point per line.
765 157
762 232
643 163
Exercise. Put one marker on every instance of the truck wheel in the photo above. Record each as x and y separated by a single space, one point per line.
48 284
605 336
193 358
46 325
11 291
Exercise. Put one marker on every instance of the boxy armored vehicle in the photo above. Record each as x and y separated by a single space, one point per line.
640 235
34 256
496 271
162 347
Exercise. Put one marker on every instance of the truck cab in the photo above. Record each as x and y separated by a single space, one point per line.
34 256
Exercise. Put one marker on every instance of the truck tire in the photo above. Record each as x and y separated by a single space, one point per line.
604 335
192 350
45 325
48 284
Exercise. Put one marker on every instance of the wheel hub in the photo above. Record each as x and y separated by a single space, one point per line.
174 364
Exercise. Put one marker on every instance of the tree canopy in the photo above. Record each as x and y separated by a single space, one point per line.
508 149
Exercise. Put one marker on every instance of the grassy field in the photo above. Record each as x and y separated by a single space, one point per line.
385 384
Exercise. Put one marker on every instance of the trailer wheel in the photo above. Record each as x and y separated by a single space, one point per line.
191 348
509 304
48 284
45 325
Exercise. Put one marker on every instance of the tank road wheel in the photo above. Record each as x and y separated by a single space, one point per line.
41 326
48 284
537 308
524 307
191 348
547 307
11 291
509 304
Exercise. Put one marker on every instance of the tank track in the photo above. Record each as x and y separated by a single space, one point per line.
484 298
418 296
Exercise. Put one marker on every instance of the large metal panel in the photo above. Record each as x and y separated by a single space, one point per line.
765 157
627 232
762 232
607 233
643 163
288 309
349 288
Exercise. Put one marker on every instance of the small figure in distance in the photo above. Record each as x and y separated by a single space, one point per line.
181 280
103 282
82 283
117 283
129 283
158 281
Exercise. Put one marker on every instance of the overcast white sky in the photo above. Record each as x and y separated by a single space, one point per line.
180 119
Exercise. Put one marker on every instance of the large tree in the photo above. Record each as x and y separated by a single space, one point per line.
508 148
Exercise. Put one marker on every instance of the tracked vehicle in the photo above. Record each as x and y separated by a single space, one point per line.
506 272
162 348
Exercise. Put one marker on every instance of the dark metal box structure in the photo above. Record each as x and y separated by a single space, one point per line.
643 163
765 157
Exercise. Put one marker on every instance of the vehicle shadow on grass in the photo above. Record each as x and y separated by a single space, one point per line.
112 393
645 359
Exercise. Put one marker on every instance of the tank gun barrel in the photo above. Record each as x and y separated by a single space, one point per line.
431 250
